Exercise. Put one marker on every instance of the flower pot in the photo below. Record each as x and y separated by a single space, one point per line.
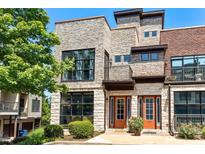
137 133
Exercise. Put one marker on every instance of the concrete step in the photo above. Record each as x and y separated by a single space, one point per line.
155 132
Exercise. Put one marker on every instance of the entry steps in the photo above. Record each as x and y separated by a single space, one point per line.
154 132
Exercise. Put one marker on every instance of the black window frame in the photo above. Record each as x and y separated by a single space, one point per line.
73 116
82 70
187 105
183 67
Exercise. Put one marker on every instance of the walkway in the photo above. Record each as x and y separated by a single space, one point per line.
127 138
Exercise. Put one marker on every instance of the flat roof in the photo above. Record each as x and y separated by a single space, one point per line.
182 28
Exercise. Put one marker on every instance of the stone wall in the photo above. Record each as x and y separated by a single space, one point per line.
142 69
120 72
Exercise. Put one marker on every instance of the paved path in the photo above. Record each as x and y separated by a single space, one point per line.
126 138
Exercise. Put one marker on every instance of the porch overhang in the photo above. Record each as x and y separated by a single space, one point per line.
161 47
149 79
119 85
183 82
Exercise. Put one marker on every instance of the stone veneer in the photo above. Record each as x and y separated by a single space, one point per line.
96 33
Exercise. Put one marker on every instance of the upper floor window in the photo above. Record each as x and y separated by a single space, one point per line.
83 66
150 34
150 56
122 58
154 33
146 34
35 105
144 56
188 67
126 58
118 58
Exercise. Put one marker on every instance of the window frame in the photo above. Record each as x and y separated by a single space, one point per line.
73 75
32 107
187 106
72 115
128 56
148 34
154 32
119 56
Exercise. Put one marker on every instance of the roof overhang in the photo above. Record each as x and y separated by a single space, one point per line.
161 47
149 79
119 85
183 82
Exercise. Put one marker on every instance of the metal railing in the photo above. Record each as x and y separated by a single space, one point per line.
179 119
196 73
6 106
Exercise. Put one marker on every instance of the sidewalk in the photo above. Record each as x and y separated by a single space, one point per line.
127 138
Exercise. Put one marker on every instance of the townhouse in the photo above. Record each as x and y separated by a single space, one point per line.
135 69
18 111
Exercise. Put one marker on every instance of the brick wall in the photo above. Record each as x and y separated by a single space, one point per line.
181 42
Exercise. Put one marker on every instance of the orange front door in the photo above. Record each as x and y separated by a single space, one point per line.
120 112
149 112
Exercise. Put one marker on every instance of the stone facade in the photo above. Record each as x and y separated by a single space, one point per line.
95 33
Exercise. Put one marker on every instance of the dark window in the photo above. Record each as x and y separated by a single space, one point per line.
118 58
106 66
158 110
154 33
76 106
189 102
83 67
35 105
146 34
188 68
144 56
126 58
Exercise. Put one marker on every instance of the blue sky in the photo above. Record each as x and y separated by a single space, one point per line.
173 17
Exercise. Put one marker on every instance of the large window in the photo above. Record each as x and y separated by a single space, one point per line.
76 106
84 65
188 68
189 102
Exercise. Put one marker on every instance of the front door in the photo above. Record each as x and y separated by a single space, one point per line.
120 112
149 112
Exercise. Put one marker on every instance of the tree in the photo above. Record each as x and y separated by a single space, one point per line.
27 63
46 112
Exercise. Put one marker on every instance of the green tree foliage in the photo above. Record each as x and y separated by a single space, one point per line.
46 112
27 63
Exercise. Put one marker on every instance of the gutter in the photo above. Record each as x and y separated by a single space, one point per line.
169 113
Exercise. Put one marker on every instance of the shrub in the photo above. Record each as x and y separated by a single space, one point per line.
135 125
5 143
187 131
19 139
203 132
53 131
35 137
81 129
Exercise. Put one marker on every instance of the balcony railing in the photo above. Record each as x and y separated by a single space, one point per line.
8 107
196 73
179 119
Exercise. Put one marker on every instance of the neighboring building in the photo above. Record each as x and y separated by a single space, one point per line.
18 112
125 71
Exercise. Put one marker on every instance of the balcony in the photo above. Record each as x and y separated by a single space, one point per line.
8 108
120 78
187 74
179 119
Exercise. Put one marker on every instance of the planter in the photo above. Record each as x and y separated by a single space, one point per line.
137 133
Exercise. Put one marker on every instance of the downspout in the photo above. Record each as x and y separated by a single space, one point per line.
169 113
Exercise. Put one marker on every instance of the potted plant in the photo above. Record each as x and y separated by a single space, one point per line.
135 125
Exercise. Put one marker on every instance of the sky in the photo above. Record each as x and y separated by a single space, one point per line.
174 18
